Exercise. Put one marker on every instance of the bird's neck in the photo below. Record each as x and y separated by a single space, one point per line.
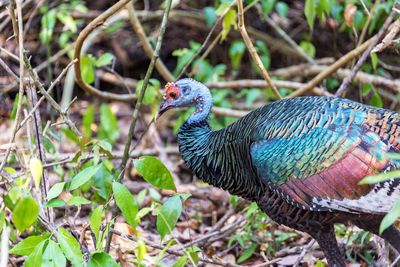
203 103
217 160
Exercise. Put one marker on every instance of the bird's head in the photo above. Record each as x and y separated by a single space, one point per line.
186 93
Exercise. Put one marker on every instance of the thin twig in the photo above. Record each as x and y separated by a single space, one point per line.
181 253
388 38
5 238
217 22
364 30
205 54
137 108
253 51
214 233
137 26
364 56
395 261
284 36
334 67
56 81
40 150
303 252
53 103
21 74
361 77
9 71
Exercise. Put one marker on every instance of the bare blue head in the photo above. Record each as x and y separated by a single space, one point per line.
186 93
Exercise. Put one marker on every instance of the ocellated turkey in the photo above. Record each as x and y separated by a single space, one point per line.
300 159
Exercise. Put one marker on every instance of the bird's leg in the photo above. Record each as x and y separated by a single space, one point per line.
327 241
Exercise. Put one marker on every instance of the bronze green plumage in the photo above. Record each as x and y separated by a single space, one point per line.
300 159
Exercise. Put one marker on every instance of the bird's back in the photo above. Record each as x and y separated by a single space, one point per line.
314 151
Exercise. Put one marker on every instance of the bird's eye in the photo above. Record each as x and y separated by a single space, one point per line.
172 95
186 90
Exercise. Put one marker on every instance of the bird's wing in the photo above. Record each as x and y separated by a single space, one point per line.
320 168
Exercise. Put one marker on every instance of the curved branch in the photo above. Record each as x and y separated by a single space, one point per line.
77 53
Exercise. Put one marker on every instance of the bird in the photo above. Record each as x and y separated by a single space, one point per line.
300 159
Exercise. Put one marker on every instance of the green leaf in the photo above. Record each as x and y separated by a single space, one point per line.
71 135
102 182
309 11
240 240
14 194
184 196
366 89
248 252
359 20
162 252
68 21
95 220
48 21
227 22
193 253
35 258
83 176
326 6
14 110
25 213
70 246
252 95
87 120
108 128
155 172
106 146
236 52
181 261
141 250
282 9
36 168
87 65
101 259
221 8
380 177
26 246
308 48
267 6
55 190
154 194
53 256
376 100
149 95
390 217
169 215
126 202
374 60
143 212
209 14
104 60
56 202
77 201
10 170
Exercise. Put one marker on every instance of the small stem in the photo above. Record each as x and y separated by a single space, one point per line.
253 51
20 41
137 110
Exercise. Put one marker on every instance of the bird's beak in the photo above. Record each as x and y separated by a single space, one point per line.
165 105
